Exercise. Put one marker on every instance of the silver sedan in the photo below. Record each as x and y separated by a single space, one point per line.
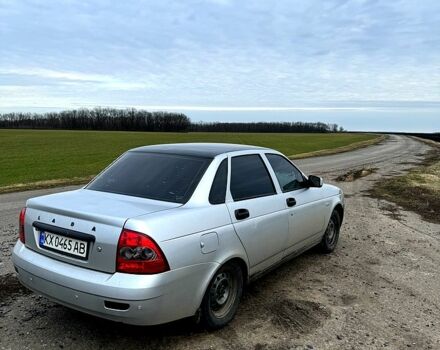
173 231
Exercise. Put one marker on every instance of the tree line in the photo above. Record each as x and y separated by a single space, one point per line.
142 120
98 119
279 127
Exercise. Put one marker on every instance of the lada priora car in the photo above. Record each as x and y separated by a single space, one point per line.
172 231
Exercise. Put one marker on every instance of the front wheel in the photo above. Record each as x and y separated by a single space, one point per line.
331 235
222 297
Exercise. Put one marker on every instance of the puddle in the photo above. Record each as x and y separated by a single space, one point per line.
355 174
348 299
10 287
391 211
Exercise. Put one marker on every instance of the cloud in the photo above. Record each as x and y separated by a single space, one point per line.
219 54
69 77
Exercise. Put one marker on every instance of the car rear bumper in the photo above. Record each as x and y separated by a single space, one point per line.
127 298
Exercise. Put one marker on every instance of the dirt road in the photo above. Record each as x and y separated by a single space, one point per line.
379 289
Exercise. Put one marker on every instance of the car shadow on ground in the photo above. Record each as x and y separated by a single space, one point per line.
267 302
263 301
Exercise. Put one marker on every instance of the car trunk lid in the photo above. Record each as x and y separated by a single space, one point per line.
94 217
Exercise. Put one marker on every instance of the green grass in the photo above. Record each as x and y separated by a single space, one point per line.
29 156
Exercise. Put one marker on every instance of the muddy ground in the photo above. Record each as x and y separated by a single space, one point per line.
379 289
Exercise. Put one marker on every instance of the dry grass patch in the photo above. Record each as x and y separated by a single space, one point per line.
418 190
342 149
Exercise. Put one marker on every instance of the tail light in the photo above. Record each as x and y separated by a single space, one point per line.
137 253
21 225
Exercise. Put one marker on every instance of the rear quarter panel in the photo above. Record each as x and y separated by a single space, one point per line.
179 233
184 232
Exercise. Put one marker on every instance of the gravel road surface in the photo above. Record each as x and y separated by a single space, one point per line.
379 289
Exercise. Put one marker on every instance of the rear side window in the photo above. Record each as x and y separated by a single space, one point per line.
250 178
289 177
217 194
164 177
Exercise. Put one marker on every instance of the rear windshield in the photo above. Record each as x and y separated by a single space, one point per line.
164 177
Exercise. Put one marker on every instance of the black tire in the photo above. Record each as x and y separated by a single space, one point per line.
222 297
331 235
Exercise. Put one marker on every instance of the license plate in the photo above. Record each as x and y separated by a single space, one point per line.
63 244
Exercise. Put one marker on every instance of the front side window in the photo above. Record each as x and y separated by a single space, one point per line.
289 177
250 178
164 177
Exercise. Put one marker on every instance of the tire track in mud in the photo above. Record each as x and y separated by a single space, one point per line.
297 316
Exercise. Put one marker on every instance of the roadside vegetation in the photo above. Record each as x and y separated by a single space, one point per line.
418 190
48 158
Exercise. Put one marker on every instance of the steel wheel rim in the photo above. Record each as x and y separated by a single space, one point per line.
222 294
331 232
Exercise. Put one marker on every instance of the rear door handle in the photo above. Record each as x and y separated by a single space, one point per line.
290 202
241 214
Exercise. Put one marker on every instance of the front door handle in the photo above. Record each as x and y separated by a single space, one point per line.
291 202
241 214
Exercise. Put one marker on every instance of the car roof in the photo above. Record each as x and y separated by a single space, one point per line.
206 150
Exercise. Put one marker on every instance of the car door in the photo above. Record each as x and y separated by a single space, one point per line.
307 207
258 212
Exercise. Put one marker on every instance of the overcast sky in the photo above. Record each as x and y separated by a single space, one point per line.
368 65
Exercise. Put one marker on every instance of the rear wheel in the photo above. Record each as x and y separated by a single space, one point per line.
222 297
331 235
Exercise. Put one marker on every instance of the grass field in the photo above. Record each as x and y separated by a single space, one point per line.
43 158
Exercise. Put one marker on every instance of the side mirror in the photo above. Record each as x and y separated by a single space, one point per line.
315 181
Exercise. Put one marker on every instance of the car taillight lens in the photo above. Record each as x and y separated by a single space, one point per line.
138 253
21 225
